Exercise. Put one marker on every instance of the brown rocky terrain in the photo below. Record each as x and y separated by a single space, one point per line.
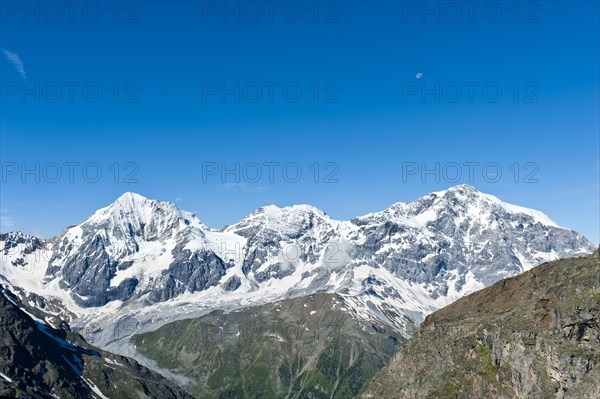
536 335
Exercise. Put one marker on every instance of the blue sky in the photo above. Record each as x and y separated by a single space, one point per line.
162 97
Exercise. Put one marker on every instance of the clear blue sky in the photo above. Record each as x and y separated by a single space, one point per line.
164 118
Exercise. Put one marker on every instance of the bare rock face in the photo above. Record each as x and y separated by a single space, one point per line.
534 335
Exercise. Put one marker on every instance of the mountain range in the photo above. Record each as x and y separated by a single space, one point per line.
139 264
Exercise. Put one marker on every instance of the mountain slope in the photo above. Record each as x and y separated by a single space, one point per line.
534 335
309 347
37 360
138 263
94 260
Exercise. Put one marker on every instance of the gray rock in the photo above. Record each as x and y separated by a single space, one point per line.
232 284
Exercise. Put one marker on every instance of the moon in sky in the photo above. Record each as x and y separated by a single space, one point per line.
419 75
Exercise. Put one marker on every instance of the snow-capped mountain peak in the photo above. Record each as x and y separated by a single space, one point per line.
274 210
135 214
289 221
459 202
276 213
151 258
468 194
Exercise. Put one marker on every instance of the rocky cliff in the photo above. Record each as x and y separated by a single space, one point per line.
536 335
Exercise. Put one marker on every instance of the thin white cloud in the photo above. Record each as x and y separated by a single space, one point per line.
14 59
243 187
39 234
7 222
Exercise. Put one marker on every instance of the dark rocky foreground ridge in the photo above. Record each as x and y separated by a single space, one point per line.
536 335
39 361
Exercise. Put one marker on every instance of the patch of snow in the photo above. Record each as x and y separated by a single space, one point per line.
109 361
94 388
5 377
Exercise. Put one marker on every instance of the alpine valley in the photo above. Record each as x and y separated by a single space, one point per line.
287 302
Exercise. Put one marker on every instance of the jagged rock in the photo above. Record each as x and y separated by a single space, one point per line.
37 360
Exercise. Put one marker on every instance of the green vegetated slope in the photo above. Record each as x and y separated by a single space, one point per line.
536 335
307 347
